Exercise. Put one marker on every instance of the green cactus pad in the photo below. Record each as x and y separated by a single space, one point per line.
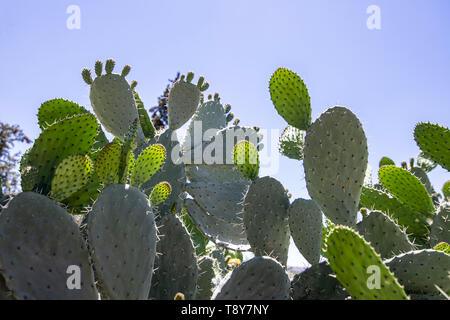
305 224
221 199
246 159
407 188
206 278
113 102
72 174
291 98
384 235
39 241
317 283
126 153
160 193
122 240
183 100
414 222
419 271
149 161
434 141
291 143
107 163
144 119
261 278
442 246
199 240
211 116
352 258
219 231
176 268
266 218
385 161
440 228
424 162
78 202
335 162
446 190
73 135
57 109
171 171
422 176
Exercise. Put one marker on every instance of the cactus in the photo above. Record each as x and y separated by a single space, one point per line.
147 164
266 204
424 162
206 278
39 242
160 193
291 143
335 162
446 190
434 141
353 260
305 224
290 98
176 268
440 228
261 278
246 159
385 161
122 240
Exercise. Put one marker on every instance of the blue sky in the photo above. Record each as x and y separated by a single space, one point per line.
390 78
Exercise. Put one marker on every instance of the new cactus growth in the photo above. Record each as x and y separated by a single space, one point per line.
434 141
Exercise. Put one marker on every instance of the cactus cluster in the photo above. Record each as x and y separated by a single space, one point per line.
148 216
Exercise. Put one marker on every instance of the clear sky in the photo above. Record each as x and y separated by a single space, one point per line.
390 78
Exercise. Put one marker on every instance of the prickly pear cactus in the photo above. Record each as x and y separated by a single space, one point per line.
385 161
246 159
40 246
434 141
261 278
385 236
291 143
335 162
358 267
440 227
206 278
290 97
266 218
122 240
176 268
305 224
112 99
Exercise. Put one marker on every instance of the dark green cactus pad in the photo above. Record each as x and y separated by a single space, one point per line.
440 228
407 188
419 271
385 161
434 141
107 163
291 98
206 278
122 240
219 231
171 171
246 159
144 119
422 176
384 235
291 143
160 193
147 164
317 283
335 162
38 242
176 268
424 162
57 109
266 218
72 174
305 224
113 102
126 153
78 202
220 199
184 98
351 258
414 222
199 240
211 116
73 135
261 278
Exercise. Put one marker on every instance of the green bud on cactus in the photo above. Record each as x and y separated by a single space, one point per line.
98 68
87 76
189 76
126 69
109 66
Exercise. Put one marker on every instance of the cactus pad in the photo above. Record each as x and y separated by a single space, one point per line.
57 109
206 278
407 188
107 163
305 224
260 278
160 193
246 159
122 240
149 161
352 258
385 161
291 143
38 242
290 97
335 162
184 98
266 218
440 228
434 141
176 268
